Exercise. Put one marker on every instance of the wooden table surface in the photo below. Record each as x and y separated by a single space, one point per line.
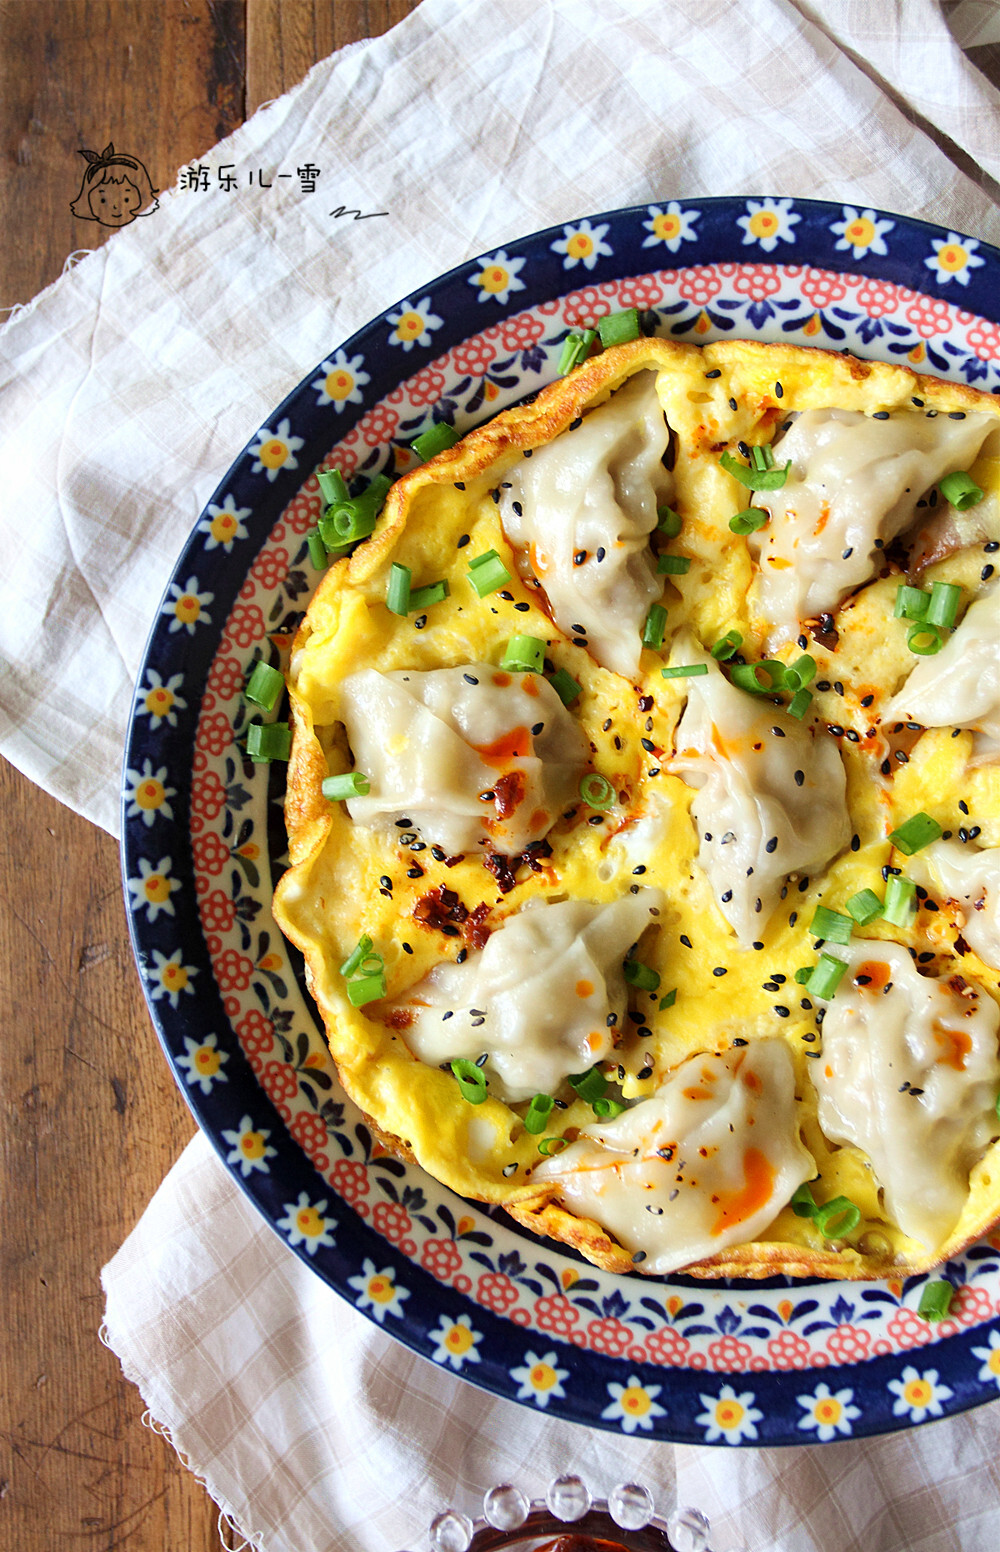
91 1119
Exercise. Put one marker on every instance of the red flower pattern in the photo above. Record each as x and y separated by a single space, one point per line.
788 1350
496 1291
521 331
699 284
667 1346
311 1135
350 1180
757 281
379 425
426 386
210 854
442 1258
728 1355
907 1329
215 732
641 291
555 1313
474 356
929 316
226 677
984 338
208 795
271 567
217 911
280 1082
246 623
822 288
256 1033
850 1344
233 971
393 1220
610 1336
971 1306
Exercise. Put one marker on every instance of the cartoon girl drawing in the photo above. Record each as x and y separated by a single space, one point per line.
114 190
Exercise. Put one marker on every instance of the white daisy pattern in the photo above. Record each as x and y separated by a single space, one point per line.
151 891
582 244
456 1341
147 793
497 277
169 977
729 1416
378 1291
202 1063
306 1224
275 450
670 225
187 606
768 222
159 699
248 1148
634 1405
412 323
342 380
918 1395
861 232
953 258
539 1379
223 524
828 1412
990 1358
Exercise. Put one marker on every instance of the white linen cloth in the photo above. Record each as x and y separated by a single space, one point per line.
125 391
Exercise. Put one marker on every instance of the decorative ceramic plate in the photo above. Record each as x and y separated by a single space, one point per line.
779 1362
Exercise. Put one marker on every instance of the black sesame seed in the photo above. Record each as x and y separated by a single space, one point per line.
508 598
778 732
822 684
715 372
769 986
579 641
740 1042
685 940
463 541
407 949
956 414
579 556
777 976
835 728
726 897
758 946
779 392
793 918
772 844
846 556
855 843
495 497
574 425
640 869
638 1256
470 678
601 553
595 819
781 1010
881 415
800 777
459 485
537 727
509 1169
437 854
918 402
986 573
403 824
518 508
803 643
581 630
414 872
742 447
605 725
902 757
974 831
733 405
805 1003
803 884
420 622
991 546
810 1035
866 700
885 767
648 745
385 881
527 452
719 970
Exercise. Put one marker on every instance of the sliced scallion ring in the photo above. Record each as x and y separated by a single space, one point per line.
917 832
925 640
352 784
607 1109
524 654
538 1113
837 1218
826 977
436 439
748 521
472 1083
831 925
367 988
640 975
269 741
685 671
911 603
747 676
619 328
961 490
596 790
550 1145
900 900
653 630
432 593
673 565
362 948
865 907
397 598
755 478
943 607
264 686
565 686
589 1085
668 522
487 573
935 1297
727 646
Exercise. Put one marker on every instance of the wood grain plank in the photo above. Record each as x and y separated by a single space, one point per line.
285 38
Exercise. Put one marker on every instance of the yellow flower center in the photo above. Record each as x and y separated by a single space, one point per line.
274 453
728 1414
381 1290
828 1411
252 1144
159 702
635 1401
764 223
580 245
338 384
206 1060
269 962
458 1340
918 1393
666 227
410 326
494 279
993 1361
308 1221
223 527
175 978
542 1376
187 608
150 794
861 232
156 888
952 257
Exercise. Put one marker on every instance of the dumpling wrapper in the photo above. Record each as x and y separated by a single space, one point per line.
431 743
594 491
960 685
705 1163
756 823
853 480
971 877
537 998
879 1046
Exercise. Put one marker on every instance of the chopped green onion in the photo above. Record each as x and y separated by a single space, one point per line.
800 673
916 833
524 654
345 521
961 490
762 457
748 521
826 977
656 624
727 646
673 565
366 989
685 671
353 784
619 328
332 486
565 686
264 686
397 598
668 522
589 1085
596 790
575 350
487 573
799 704
436 439
803 1203
900 900
911 603
433 593
669 1000
925 640
831 925
269 741
935 1297
803 975
361 950
640 975
755 479
547 1146
538 1113
372 964
865 907
471 1080
943 607
746 676
837 1218
318 555
607 1109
